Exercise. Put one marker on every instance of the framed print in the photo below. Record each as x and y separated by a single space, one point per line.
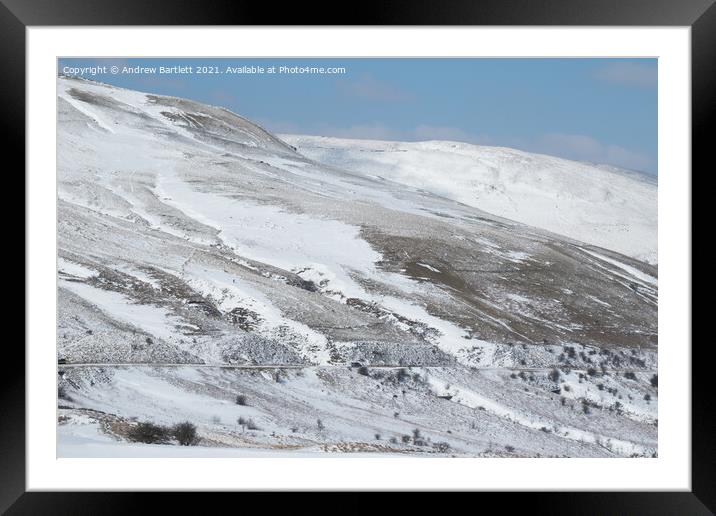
393 256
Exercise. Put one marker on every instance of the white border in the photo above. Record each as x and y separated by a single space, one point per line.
670 471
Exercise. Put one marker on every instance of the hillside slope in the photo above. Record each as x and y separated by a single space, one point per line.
596 204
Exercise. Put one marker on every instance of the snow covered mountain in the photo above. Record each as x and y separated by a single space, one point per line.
209 272
597 204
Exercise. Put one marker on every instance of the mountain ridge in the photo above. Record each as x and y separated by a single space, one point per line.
600 205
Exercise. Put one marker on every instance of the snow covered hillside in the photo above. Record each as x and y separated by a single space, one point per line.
210 273
597 204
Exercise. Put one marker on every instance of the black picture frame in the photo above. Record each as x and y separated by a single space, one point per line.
17 15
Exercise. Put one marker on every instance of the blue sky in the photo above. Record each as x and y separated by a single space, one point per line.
599 110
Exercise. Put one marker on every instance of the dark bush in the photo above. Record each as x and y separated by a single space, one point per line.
401 375
585 407
654 381
554 375
149 433
364 371
630 375
241 399
441 447
185 434
62 393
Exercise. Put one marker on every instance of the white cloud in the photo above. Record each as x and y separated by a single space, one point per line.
436 132
375 131
630 74
585 148
370 88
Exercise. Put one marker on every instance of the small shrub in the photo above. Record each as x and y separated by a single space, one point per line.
185 434
585 407
252 426
320 425
441 447
629 375
363 370
647 397
149 433
401 375
554 375
405 439
62 393
509 448
241 400
377 437
591 371
393 440
654 380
